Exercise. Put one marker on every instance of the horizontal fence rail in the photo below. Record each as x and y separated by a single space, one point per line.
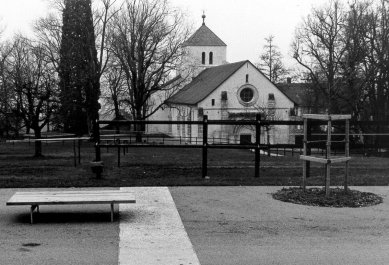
241 122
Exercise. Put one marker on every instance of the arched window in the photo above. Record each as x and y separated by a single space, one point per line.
203 58
211 58
247 78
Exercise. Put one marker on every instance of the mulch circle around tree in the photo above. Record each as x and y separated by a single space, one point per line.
337 198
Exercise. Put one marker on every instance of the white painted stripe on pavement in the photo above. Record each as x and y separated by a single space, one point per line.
151 231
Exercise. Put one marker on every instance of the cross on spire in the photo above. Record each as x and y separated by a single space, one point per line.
203 16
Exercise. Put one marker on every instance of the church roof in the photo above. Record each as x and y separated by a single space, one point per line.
205 83
204 37
295 91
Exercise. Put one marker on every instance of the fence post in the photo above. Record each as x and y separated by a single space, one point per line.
347 150
79 151
308 147
328 156
74 153
257 143
97 141
118 143
96 136
305 140
205 145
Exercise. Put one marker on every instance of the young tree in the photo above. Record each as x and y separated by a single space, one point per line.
79 68
146 39
271 61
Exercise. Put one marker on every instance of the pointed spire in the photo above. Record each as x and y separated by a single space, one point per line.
203 16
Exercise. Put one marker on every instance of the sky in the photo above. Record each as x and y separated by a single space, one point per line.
241 24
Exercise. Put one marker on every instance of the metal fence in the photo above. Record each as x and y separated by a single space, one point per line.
372 142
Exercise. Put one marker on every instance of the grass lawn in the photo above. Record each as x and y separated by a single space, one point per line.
169 167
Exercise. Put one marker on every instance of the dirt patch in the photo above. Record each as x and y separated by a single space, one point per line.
337 198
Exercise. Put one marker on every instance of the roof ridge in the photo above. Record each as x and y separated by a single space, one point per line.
204 36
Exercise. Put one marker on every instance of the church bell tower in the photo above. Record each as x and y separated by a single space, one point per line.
202 50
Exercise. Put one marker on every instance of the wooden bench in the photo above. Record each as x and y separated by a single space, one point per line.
70 197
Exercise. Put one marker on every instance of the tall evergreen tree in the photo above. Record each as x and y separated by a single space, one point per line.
78 68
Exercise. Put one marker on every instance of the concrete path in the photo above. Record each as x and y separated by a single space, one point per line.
151 231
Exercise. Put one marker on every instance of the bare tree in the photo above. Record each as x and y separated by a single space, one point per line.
102 16
146 40
378 44
114 89
8 121
318 47
354 70
34 84
48 32
271 61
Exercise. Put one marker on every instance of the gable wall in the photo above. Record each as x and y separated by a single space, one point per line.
278 134
256 79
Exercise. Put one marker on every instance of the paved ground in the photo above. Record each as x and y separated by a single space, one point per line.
244 225
226 225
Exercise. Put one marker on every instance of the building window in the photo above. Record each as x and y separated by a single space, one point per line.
247 78
224 95
213 102
203 58
211 58
247 94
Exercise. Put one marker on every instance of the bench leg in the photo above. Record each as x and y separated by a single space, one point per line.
111 212
32 212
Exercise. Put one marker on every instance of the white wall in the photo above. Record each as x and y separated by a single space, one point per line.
193 59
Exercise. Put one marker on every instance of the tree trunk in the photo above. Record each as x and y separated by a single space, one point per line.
38 144
116 108
138 127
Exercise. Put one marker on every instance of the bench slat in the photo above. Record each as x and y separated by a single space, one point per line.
73 197
72 192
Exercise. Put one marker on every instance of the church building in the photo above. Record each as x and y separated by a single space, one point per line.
223 91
